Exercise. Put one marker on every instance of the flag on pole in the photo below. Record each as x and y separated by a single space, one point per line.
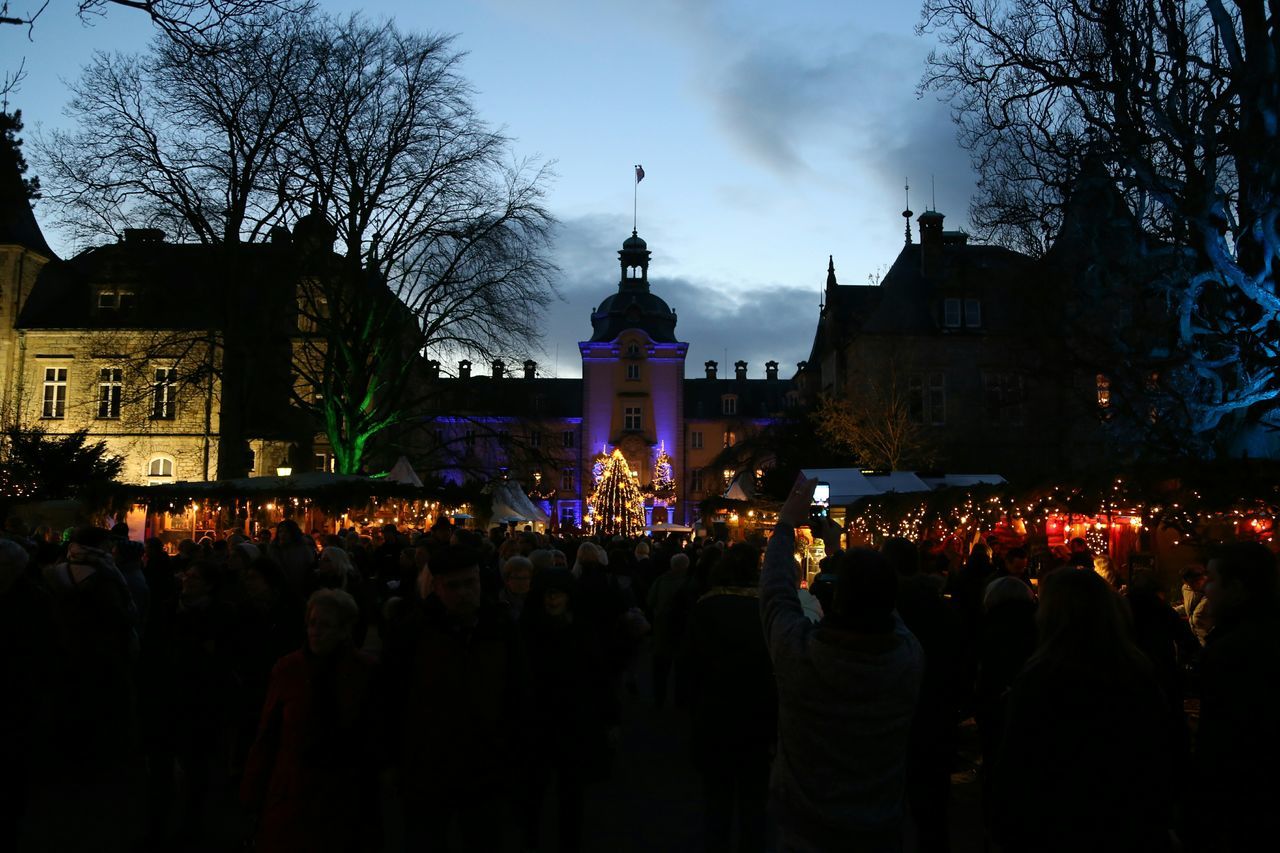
639 173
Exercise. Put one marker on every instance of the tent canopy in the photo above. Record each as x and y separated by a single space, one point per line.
402 472
510 503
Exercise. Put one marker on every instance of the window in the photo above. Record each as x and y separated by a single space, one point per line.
973 313
633 373
469 442
729 404
566 480
633 350
695 439
730 438
1003 398
695 481
927 399
110 389
504 438
631 418
567 438
160 466
951 313
1104 391
107 300
319 462
535 439
55 393
937 399
163 405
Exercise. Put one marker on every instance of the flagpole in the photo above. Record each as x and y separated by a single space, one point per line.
635 199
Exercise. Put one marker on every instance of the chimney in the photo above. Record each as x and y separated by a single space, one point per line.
530 369
433 369
498 368
740 369
464 369
711 369
771 370
143 235
930 242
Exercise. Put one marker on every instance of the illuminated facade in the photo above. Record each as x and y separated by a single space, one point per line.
633 397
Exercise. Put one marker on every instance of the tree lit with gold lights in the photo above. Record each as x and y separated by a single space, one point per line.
616 504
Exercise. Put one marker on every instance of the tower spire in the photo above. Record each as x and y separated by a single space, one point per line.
906 212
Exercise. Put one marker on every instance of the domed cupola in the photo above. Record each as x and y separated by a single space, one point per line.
634 258
633 306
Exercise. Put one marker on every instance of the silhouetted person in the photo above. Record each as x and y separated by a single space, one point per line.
734 702
1087 752
573 707
312 772
846 695
1238 741
457 675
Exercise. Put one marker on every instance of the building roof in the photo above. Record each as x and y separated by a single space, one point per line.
757 398
906 303
482 395
173 286
634 309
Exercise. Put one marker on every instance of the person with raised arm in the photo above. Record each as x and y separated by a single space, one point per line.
847 690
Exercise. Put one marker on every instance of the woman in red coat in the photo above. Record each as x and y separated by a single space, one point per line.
312 772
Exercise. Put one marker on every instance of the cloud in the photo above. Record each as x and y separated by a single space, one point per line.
755 323
801 104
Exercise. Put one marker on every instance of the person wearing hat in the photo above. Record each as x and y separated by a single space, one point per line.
457 678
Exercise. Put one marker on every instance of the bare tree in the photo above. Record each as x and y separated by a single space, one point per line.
187 22
1178 102
873 422
373 134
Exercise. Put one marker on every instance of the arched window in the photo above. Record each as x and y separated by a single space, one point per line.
160 466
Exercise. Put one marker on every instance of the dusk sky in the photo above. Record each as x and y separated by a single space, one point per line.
771 137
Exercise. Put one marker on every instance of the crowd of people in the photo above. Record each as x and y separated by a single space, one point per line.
468 682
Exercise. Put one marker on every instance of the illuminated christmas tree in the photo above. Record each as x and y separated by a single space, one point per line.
664 483
616 503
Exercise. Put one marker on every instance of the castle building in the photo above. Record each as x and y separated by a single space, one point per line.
633 396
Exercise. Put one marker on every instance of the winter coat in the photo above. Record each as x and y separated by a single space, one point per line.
733 695
1237 751
845 704
664 594
313 769
458 696
96 649
572 702
1085 762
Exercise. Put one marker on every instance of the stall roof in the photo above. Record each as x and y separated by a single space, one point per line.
847 484
309 484
945 481
898 481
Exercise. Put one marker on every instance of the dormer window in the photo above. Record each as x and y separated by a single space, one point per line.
973 313
951 313
633 350
115 300
729 404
